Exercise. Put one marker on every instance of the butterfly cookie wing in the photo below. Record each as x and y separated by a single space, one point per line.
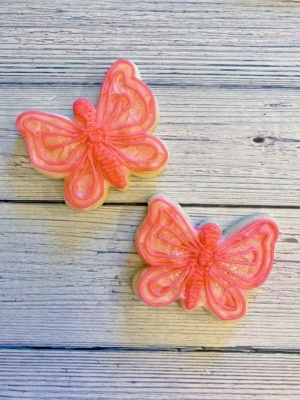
166 240
144 157
128 112
58 148
161 285
247 255
126 104
55 144
166 235
242 261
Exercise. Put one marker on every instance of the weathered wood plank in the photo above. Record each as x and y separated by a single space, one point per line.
226 73
70 375
65 280
212 42
211 135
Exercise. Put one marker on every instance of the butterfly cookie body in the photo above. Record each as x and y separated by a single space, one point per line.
100 144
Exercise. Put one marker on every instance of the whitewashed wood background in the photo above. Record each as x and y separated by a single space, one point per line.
226 75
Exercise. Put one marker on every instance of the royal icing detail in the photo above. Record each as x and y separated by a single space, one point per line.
102 146
198 265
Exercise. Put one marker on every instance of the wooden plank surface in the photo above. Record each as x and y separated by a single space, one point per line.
70 273
143 376
236 146
227 42
226 77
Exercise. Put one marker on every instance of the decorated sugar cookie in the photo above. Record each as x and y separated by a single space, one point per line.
103 146
201 266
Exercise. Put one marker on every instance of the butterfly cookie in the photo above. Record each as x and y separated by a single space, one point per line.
103 146
200 266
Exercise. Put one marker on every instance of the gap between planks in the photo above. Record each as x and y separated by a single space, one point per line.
143 204
154 349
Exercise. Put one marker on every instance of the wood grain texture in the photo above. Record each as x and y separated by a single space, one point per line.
74 375
225 73
66 280
253 43
211 136
226 77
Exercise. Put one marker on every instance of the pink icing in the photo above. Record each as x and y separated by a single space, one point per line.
199 266
102 146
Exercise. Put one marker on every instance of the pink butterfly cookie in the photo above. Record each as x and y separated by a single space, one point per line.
101 147
198 265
